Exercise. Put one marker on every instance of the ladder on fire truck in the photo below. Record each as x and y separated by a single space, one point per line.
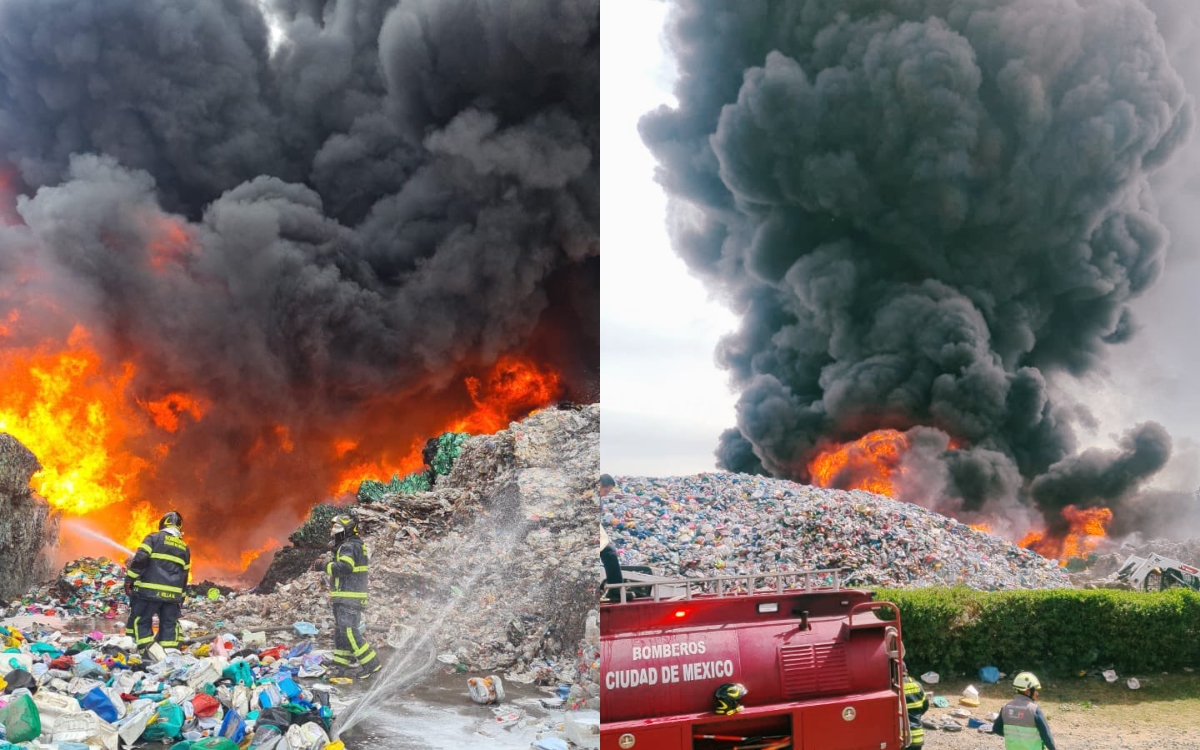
662 589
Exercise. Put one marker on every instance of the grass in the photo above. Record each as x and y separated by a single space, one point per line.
1171 698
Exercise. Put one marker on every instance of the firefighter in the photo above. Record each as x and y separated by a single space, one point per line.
154 581
608 553
347 573
1021 721
917 704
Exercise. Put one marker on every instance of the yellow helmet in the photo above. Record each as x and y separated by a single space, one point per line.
1026 681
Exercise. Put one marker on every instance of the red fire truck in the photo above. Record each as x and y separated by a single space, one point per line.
820 663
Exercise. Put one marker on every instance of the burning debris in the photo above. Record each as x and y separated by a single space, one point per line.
715 524
925 215
226 259
494 567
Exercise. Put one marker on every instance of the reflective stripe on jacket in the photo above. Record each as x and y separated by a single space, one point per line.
348 571
1020 726
917 704
161 567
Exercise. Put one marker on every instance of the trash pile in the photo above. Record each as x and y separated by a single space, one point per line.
94 691
723 523
94 587
85 588
28 531
439 455
495 565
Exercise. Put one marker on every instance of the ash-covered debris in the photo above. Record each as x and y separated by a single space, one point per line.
496 564
28 528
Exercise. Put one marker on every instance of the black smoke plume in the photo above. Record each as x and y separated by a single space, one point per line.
923 211
322 231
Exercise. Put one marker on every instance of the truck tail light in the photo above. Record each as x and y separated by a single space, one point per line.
680 614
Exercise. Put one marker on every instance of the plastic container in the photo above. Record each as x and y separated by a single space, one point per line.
203 672
484 690
583 728
51 706
309 736
87 728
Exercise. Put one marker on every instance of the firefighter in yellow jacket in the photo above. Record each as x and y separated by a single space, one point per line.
154 581
347 572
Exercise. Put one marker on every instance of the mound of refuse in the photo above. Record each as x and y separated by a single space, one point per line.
28 529
725 524
493 568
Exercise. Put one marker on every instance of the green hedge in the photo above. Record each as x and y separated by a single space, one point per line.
1057 632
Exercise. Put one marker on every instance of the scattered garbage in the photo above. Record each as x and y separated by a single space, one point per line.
485 690
930 678
1133 683
970 697
941 701
990 675
740 523
255 666
960 713
1110 675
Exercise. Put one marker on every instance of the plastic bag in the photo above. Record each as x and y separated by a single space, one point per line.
21 719
17 679
98 702
233 727
168 723
214 743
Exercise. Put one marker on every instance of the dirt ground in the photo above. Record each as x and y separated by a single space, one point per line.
1087 713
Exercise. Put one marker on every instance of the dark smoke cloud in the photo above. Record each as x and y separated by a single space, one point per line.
400 193
924 211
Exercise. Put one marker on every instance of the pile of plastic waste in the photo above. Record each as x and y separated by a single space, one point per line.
93 587
222 692
726 524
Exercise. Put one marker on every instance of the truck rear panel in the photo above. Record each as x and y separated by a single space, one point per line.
820 665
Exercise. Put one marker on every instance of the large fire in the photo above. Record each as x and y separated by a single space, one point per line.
873 463
102 445
868 463
1088 527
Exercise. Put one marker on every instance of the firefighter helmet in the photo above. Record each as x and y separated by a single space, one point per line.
1026 681
171 519
344 525
729 698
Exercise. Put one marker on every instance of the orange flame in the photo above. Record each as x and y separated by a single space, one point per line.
102 445
166 410
514 388
1087 528
66 408
252 555
986 528
169 242
868 463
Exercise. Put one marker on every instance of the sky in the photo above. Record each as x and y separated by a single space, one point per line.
663 400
